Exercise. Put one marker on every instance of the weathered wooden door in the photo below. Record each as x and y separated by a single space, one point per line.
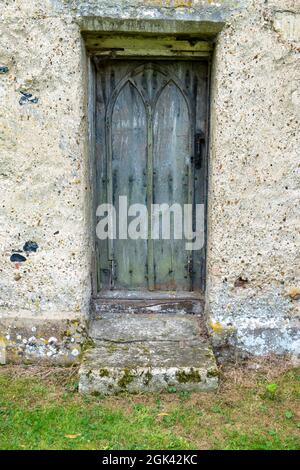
151 122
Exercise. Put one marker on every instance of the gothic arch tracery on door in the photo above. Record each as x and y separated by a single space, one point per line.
150 115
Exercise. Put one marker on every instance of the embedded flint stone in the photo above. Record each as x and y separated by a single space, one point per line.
38 340
30 246
17 258
27 98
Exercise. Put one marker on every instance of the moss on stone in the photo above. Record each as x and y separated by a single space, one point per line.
144 349
213 373
68 333
147 377
184 377
104 373
87 344
97 394
126 379
111 347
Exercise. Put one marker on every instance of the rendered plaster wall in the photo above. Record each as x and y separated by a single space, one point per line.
44 182
253 262
253 293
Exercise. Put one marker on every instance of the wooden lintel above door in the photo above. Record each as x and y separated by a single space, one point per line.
136 46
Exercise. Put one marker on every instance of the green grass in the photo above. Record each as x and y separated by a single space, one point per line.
41 409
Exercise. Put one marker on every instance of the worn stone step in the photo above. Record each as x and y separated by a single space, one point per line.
148 366
139 352
125 327
152 305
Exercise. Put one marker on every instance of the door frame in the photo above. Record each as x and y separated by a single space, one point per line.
108 45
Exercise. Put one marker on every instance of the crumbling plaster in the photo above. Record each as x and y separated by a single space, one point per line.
253 217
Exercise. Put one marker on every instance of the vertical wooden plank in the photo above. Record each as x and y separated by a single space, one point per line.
109 193
150 255
103 269
199 90
128 170
172 166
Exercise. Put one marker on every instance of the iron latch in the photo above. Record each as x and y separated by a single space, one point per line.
199 144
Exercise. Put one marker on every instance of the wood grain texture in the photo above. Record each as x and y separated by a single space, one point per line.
147 114
137 46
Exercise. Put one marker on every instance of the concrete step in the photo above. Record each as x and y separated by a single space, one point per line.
139 353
